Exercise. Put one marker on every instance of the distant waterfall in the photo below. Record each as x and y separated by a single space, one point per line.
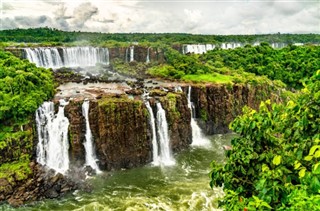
178 89
197 137
126 55
148 56
53 145
52 57
232 45
155 151
165 156
197 49
88 145
131 53
203 48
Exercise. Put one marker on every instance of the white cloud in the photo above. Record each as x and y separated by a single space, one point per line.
209 17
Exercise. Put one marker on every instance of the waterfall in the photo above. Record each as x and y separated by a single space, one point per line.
131 53
52 57
126 55
197 48
88 145
44 57
178 89
197 137
278 45
165 156
53 145
148 56
155 151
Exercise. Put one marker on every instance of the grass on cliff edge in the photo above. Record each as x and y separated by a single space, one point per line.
214 78
17 170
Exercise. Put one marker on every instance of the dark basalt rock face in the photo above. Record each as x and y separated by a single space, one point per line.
217 105
121 130
121 53
39 185
178 117
77 130
122 134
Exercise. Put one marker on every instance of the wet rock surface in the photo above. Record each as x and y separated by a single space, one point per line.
217 105
42 183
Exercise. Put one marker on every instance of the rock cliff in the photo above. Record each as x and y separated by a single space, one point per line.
122 134
217 105
121 53
121 130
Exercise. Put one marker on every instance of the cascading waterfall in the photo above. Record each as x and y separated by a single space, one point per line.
85 56
197 137
148 56
178 89
126 55
52 57
131 53
88 145
165 155
231 45
197 49
278 45
53 145
155 151
44 57
203 48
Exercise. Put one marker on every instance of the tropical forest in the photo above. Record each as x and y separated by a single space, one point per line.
159 121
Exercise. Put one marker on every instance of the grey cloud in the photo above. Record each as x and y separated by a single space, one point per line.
236 17
7 23
104 20
6 6
60 17
40 21
62 23
83 13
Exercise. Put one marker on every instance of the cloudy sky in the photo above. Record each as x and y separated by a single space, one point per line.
198 17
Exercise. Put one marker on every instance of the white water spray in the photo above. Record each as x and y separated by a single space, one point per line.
197 48
198 138
131 53
165 155
88 144
53 145
148 56
178 89
155 151
52 57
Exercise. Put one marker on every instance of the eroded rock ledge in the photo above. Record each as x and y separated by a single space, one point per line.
41 183
121 131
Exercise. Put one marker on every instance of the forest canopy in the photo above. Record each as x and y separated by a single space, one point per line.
23 87
46 34
274 163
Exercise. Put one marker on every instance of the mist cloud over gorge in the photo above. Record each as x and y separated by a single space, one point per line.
208 17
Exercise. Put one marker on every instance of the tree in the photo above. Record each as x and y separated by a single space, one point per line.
274 163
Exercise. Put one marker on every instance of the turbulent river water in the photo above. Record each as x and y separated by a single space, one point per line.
184 186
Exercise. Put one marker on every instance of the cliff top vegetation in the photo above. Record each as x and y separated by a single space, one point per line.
51 36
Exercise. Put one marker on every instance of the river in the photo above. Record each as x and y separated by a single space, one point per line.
184 186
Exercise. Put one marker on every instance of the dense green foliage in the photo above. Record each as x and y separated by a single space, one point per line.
15 171
54 35
194 68
274 163
289 64
23 87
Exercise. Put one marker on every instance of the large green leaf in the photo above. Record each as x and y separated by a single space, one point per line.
276 160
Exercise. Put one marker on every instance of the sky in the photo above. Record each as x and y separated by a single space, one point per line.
165 16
